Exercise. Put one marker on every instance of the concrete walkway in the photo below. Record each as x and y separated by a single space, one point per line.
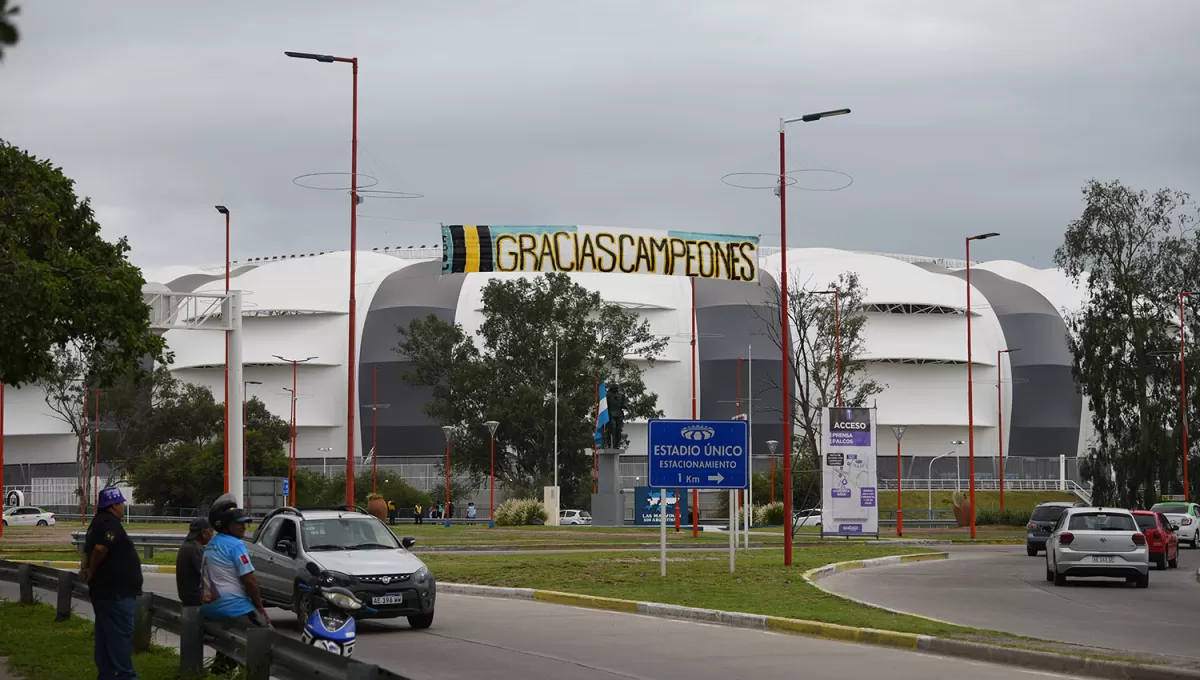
4 673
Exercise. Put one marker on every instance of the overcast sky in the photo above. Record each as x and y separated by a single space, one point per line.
968 116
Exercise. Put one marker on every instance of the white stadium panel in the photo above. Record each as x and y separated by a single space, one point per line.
1053 284
886 280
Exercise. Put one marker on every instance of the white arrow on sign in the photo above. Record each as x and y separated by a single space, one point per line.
718 478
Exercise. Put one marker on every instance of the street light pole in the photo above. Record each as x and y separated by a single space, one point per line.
1183 421
96 453
1000 413
2 454
491 426
350 360
785 339
929 475
375 406
225 211
771 446
447 430
295 363
970 381
898 430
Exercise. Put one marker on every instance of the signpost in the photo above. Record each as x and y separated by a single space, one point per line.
699 454
849 503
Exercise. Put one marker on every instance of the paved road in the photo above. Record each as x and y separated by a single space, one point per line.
1002 588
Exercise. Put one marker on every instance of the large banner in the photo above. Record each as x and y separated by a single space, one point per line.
494 248
848 482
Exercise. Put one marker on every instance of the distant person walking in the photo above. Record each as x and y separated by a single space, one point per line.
114 576
190 561
417 510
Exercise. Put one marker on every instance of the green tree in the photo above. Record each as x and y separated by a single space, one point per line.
819 329
61 284
1133 251
507 373
8 30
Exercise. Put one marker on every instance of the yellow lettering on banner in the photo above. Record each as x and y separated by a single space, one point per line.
621 239
659 246
678 250
607 249
706 259
527 246
587 253
558 247
501 241
645 264
546 250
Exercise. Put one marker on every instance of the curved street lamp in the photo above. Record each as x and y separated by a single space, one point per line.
448 431
492 425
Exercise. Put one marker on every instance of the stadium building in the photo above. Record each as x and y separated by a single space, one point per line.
295 306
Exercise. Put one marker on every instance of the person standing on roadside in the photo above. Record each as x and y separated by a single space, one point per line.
114 576
229 588
190 561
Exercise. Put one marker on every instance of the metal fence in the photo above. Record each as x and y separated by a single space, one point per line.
262 652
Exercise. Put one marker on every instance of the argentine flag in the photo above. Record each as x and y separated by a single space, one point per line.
602 413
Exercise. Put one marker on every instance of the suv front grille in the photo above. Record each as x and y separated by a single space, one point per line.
385 579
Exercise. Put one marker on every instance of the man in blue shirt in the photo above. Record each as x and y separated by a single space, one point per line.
229 588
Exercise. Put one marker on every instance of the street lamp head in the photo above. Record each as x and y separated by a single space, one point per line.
253 382
982 237
771 446
447 430
1010 349
323 58
222 209
491 426
957 442
811 117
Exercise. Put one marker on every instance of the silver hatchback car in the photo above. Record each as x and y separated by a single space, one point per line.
1089 542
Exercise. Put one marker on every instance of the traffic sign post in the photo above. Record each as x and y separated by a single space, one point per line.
699 454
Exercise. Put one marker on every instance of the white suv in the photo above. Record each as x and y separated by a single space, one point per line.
1097 542
577 517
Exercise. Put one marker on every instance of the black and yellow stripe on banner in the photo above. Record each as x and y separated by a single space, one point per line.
471 248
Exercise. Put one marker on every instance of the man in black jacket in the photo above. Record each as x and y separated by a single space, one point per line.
189 561
114 575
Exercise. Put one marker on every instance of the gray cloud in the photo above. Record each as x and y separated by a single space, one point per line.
967 116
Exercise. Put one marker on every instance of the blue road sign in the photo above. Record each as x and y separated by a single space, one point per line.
285 487
699 454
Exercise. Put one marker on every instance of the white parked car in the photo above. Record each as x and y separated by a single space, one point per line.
1089 542
1186 516
28 516
810 517
574 517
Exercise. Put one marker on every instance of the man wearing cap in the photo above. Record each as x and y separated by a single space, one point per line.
190 560
114 575
229 589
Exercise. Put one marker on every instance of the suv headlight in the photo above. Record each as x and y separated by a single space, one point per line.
422 576
343 601
334 578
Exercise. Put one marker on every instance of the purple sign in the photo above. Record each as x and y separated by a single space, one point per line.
850 528
849 427
840 492
867 495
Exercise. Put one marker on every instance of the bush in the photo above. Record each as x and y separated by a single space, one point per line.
519 511
1006 517
770 514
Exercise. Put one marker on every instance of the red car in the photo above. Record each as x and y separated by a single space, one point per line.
1160 535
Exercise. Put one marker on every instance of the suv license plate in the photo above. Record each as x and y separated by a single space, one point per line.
1103 559
390 599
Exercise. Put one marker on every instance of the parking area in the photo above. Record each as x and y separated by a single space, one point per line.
1002 588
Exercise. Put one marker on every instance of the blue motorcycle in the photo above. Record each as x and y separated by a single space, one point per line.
331 627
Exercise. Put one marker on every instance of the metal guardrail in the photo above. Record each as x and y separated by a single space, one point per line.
264 653
147 542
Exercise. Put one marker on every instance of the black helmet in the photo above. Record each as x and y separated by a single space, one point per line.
225 514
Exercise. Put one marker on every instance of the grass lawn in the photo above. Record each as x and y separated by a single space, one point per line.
37 647
761 585
916 502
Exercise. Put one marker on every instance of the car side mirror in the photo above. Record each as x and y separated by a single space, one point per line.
408 542
313 568
286 547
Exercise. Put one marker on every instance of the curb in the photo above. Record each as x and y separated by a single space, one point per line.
1034 660
146 568
813 575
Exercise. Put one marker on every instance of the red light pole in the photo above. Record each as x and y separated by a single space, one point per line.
491 425
350 355
785 339
245 388
970 380
448 431
295 363
1 453
837 335
898 430
375 406
1183 421
225 211
1000 414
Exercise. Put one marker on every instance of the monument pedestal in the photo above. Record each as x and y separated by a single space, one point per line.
608 503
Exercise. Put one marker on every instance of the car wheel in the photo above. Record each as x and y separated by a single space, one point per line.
1030 550
1174 564
5 522
421 621
1060 579
302 605
1143 581
42 523
1049 575
1160 563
